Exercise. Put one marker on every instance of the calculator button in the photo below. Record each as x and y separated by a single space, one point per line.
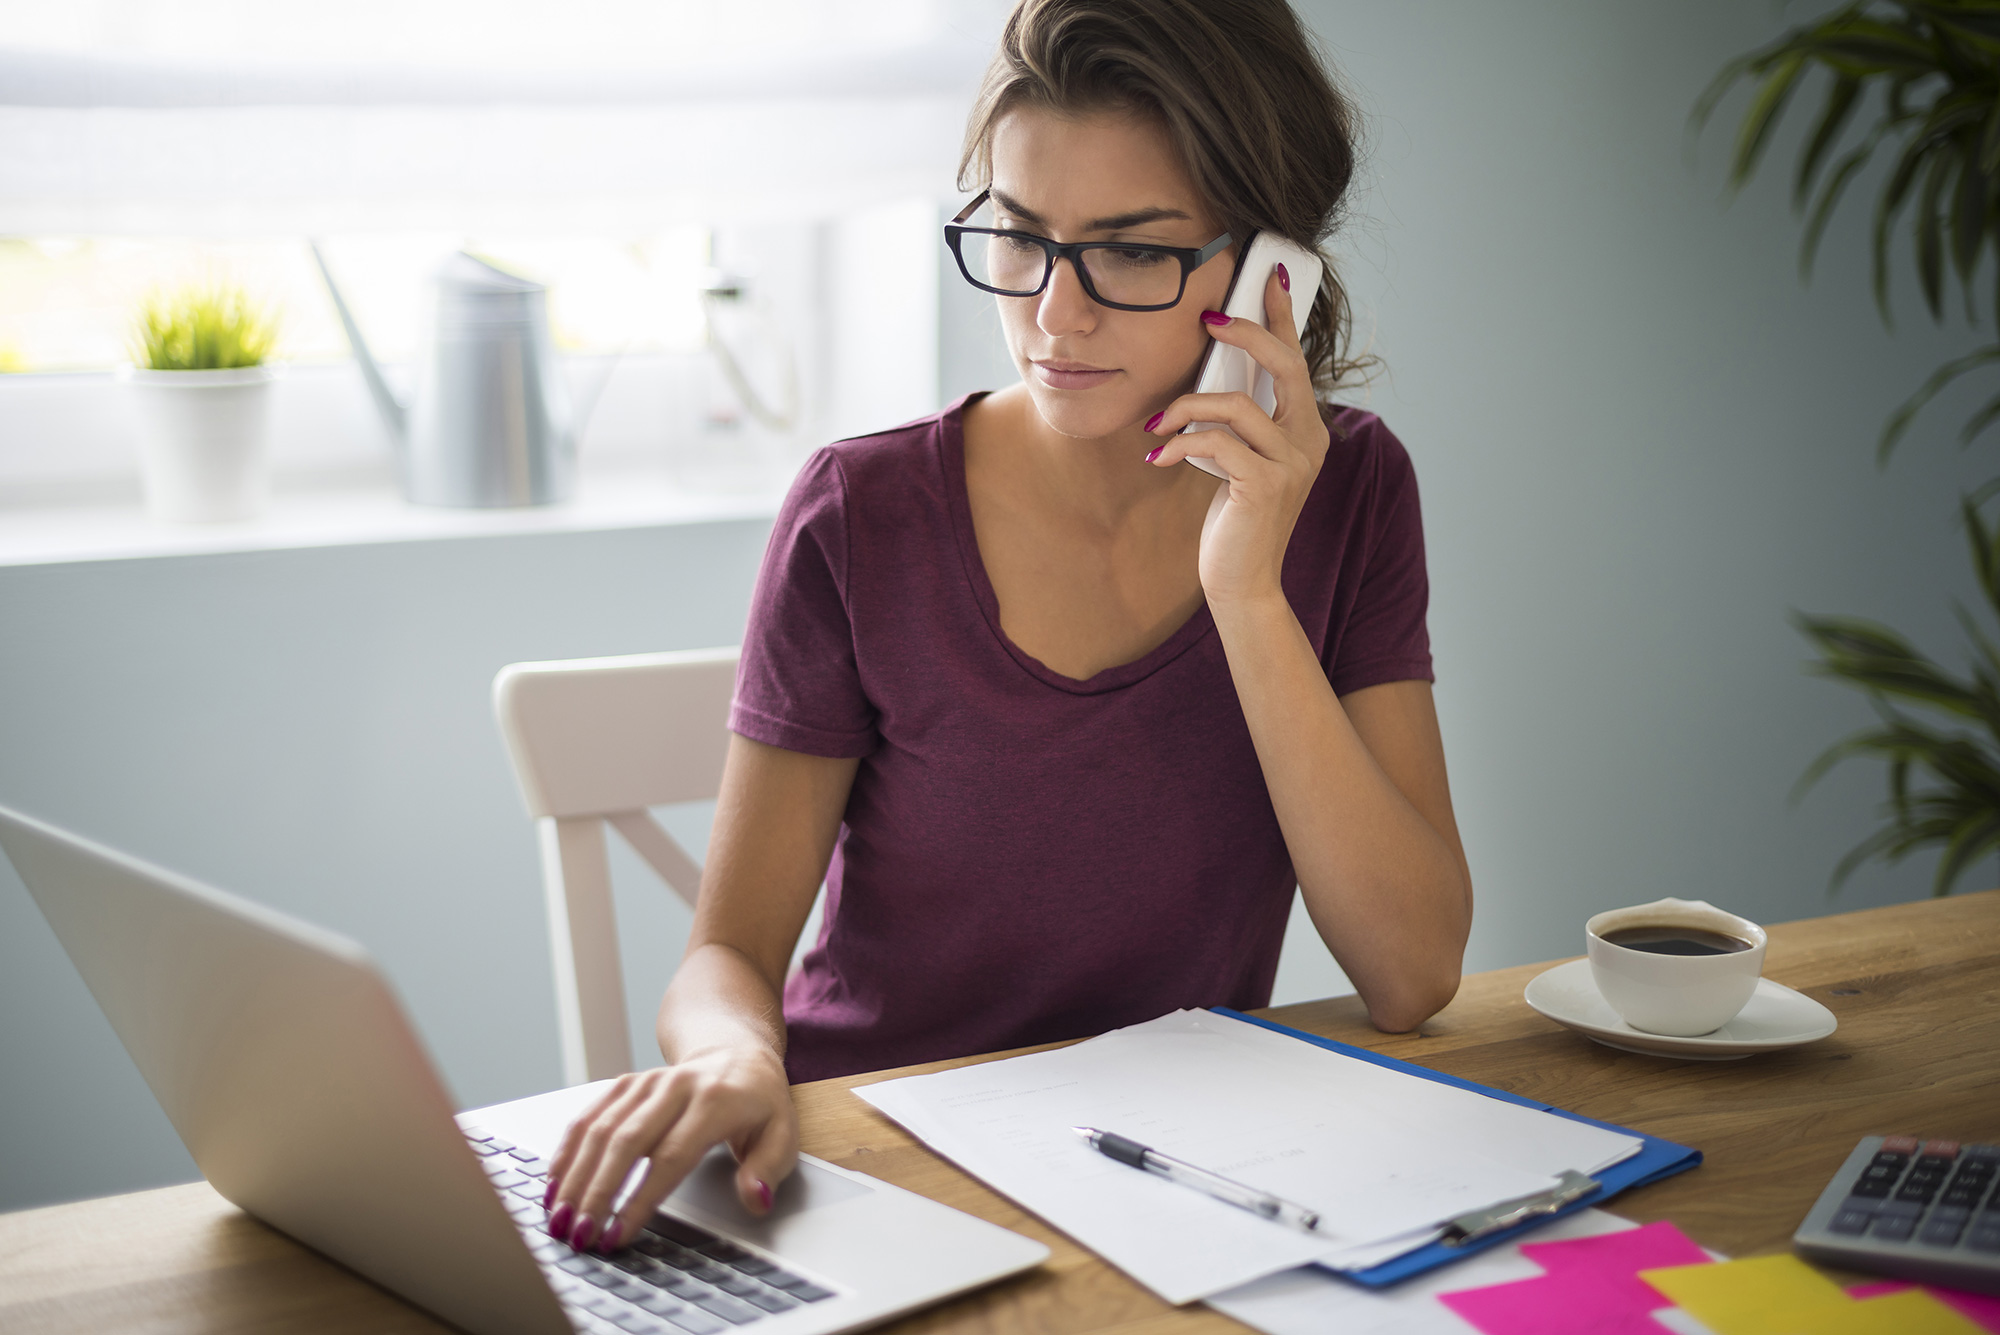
1956 1195
1894 1228
1943 1149
1868 1190
1941 1232
1900 1144
1917 1189
1890 1160
1985 1237
1850 1221
1909 1210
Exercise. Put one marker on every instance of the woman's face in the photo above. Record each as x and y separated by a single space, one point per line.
1112 176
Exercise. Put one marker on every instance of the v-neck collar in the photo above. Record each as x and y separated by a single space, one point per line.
951 457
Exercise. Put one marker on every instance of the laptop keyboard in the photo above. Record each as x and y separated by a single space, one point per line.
673 1279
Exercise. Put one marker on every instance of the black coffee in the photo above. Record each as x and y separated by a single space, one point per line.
1676 941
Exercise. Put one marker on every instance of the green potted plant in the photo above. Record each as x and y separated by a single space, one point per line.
200 390
1916 82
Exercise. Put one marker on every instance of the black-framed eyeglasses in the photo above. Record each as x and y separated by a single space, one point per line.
1120 274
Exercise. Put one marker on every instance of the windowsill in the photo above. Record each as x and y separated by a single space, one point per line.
356 510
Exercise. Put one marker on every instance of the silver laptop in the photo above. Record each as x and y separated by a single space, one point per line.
287 1066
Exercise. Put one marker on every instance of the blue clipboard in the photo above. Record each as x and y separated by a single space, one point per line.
1656 1159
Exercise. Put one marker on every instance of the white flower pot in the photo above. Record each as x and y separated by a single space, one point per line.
204 442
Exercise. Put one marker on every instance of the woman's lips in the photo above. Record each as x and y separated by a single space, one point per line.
1071 375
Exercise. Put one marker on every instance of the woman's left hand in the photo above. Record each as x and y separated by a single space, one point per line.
1271 458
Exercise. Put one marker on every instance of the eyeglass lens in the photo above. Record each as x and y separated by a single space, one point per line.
1132 277
1121 274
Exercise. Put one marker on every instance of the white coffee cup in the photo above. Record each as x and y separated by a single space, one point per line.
1680 995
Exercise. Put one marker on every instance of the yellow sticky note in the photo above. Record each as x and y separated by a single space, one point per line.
1765 1295
1911 1312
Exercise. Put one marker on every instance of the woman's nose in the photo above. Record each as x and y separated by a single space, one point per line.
1065 307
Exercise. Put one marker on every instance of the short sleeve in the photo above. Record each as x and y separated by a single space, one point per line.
797 685
1386 638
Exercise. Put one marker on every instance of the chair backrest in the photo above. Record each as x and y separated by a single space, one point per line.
597 741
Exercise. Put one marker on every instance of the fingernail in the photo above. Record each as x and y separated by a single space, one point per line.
1155 420
1214 317
764 1193
559 1221
614 1233
549 1196
583 1234
1154 453
1284 279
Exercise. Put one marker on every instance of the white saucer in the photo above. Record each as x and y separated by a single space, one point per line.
1776 1017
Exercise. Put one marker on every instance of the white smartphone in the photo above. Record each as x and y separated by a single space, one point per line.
1226 369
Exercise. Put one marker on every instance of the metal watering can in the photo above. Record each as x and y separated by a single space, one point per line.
490 423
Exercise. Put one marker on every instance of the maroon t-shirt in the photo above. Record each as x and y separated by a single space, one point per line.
1027 857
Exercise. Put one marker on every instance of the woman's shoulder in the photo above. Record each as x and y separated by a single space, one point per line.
880 467
1363 458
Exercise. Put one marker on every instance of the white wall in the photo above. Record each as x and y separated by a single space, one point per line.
1641 444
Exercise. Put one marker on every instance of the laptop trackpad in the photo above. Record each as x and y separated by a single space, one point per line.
711 1189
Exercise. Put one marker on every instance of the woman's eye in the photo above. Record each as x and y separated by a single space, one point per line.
1020 245
1133 259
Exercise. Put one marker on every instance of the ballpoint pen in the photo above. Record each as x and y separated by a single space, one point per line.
1134 1155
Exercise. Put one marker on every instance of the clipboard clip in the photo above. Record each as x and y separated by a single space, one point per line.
1571 1187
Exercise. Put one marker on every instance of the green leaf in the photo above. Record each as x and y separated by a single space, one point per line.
1841 99
1989 412
1929 230
1765 109
1829 195
1899 421
1968 217
1973 838
1989 144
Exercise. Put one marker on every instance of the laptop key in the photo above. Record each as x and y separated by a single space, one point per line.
630 1290
695 1321
575 1265
740 1285
637 1322
786 1280
729 1309
809 1293
530 1190
507 1178
679 1230
771 1300
752 1265
603 1279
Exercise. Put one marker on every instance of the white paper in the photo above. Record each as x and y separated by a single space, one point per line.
1382 1156
1311 1301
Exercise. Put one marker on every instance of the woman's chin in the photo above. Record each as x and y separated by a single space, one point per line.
1086 414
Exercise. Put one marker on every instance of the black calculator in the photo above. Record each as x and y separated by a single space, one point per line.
1919 1209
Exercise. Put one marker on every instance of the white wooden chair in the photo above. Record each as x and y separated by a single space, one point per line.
597 741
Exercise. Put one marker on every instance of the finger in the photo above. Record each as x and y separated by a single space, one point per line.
700 1129
572 1141
1281 357
1239 412
613 1149
765 1161
1279 313
1235 458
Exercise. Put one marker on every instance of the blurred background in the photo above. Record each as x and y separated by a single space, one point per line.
1642 444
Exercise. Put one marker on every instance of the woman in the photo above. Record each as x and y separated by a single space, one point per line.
1068 719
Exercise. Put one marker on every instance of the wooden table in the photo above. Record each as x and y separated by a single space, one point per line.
1916 987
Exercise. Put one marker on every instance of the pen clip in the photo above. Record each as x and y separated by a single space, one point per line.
1572 1186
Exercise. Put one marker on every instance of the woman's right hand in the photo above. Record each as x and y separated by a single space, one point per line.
669 1118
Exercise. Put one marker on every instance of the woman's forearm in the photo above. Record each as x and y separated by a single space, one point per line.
1385 886
719 999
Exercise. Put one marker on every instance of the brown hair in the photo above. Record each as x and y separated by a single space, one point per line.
1240 90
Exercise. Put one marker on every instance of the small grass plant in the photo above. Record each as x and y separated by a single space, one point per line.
203 327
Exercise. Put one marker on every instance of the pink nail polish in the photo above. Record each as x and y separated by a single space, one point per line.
614 1233
1214 317
549 1196
1284 278
583 1234
1155 420
1154 453
764 1193
559 1222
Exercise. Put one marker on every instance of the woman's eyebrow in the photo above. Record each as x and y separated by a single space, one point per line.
1116 223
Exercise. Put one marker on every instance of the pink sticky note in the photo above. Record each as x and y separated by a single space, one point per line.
1616 1258
1566 1302
1983 1310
